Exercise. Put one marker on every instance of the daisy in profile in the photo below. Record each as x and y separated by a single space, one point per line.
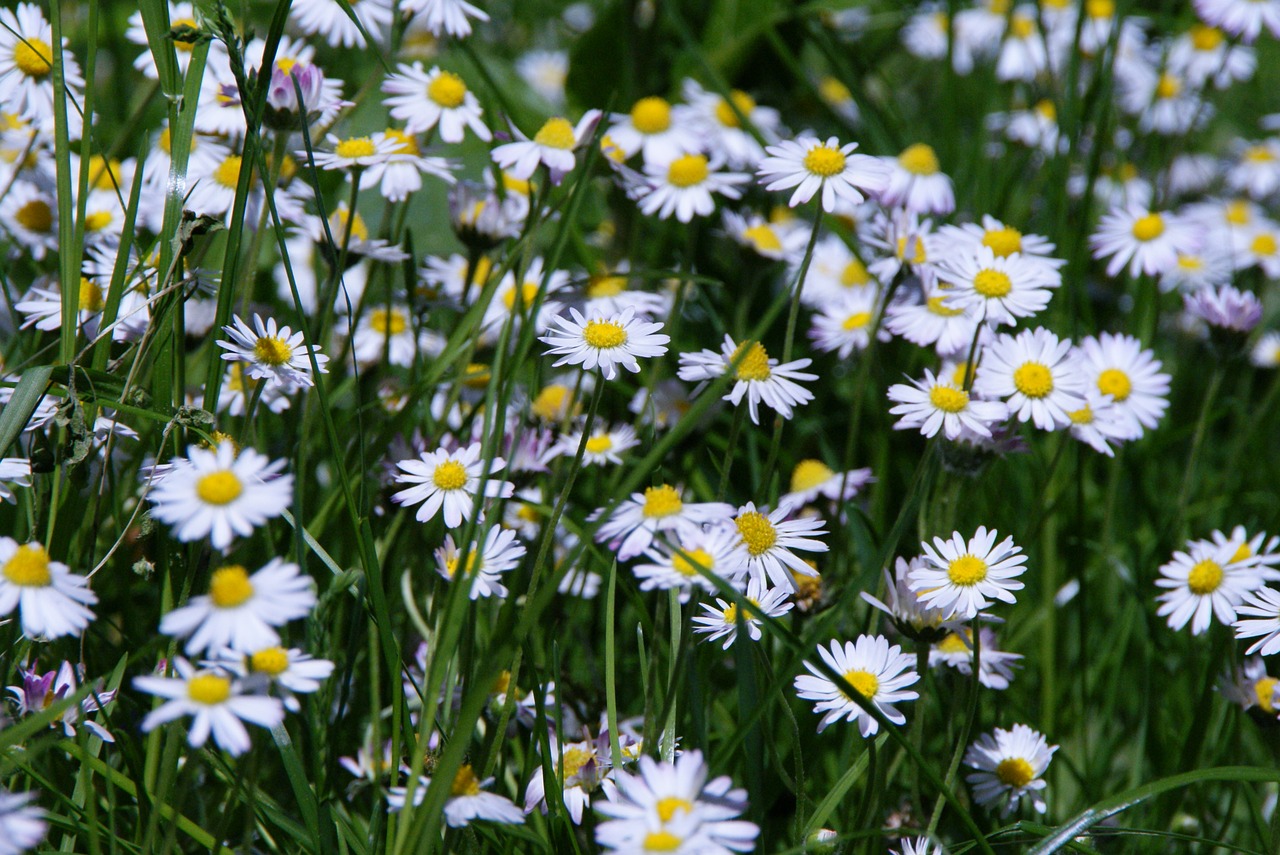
51 600
428 99
939 403
810 165
353 153
270 353
291 672
241 612
813 478
467 802
963 578
844 324
995 669
632 526
1227 308
918 846
1202 583
449 480
685 564
1100 424
217 703
1118 366
445 17
911 617
997 289
552 146
1250 686
774 241
220 493
917 183
878 671
722 619
604 341
22 824
684 186
1144 240
484 564
759 377
584 767
767 544
1035 373
1009 765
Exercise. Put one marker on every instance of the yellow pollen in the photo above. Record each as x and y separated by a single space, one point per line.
687 171
273 661
1033 380
854 273
1264 690
208 689
483 268
604 335
992 284
286 64
1264 244
551 402
469 567
1047 110
219 488
1022 27
938 306
967 570
405 144
90 296
527 292
600 443
271 350
668 806
662 841
574 759
757 532
651 115
947 399
1238 212
465 782
661 501
450 475
688 566
387 321
856 321
35 216
28 567
745 104
606 286
1015 772
556 133
228 172
730 614
187 47
953 643
1205 577
755 365
1204 37
1082 416
96 221
1115 383
447 90
33 57
355 147
1168 86
1258 154
919 159
230 586
864 682
809 474
1241 553
825 161
1100 8
833 91
1003 242
1148 227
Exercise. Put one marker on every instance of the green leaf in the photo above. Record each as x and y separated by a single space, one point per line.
26 396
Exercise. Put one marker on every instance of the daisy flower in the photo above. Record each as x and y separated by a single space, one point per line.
43 307
52 601
718 121
583 767
1147 241
274 354
813 478
484 565
1261 611
685 564
425 100
834 272
546 72
30 216
400 175
721 620
22 824
604 341
956 651
351 153
632 526
1034 371
1010 765
605 446
876 670
39 692
767 543
445 17
1257 172
683 186
959 577
1242 18
932 322
467 802
843 324
1203 55
775 241
1002 239
291 671
649 128
1118 366
240 611
1226 308
911 617
998 289
328 20
759 377
917 183
1202 583
940 404
216 702
810 165
551 146
220 493
449 480
26 67
1250 686
1264 354
388 331
1100 424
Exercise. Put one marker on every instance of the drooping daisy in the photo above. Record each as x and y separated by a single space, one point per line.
449 480
1202 583
1010 765
844 324
220 493
767 544
960 576
1118 366
878 671
1022 53
917 183
425 100
467 802
940 404
1034 371
51 600
445 17
605 341
552 146
684 186
240 611
216 702
1100 424
684 563
270 353
633 525
289 672
998 289
484 564
810 165
22 824
1144 240
956 651
759 377
721 620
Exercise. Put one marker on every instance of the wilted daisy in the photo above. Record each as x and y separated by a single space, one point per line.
217 703
759 377
721 620
604 341
274 354
633 525
484 564
878 671
467 802
998 289
956 651
52 601
240 611
917 183
435 98
1202 583
959 577
220 493
22 824
941 404
1010 765
684 186
813 478
1035 373
767 543
810 165
551 146
1147 241
449 480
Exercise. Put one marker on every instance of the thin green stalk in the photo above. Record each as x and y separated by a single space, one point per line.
1197 441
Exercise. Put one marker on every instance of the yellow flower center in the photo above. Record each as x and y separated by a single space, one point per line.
273 661
1168 86
574 759
187 47
209 689
469 566
667 807
1258 154
938 306
600 443
476 375
825 161
556 133
228 172
1238 212
917 250
450 475
272 350
687 171
1115 383
405 144
1205 37
1205 577
1190 262
604 334
688 566
1265 690
919 159
528 292
96 221
1264 244
1003 242
1100 8
725 114
465 782
953 643
1015 772
992 284
33 57
447 90
28 567
947 399
1148 227
355 147
967 570
960 376
809 474
662 841
730 614
606 286
230 586
90 296
550 403
1083 416
1033 380
651 115
384 321
864 682
501 684
661 501
35 216
833 91
755 365
854 273
219 488
1022 27
757 532
856 321
1047 110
